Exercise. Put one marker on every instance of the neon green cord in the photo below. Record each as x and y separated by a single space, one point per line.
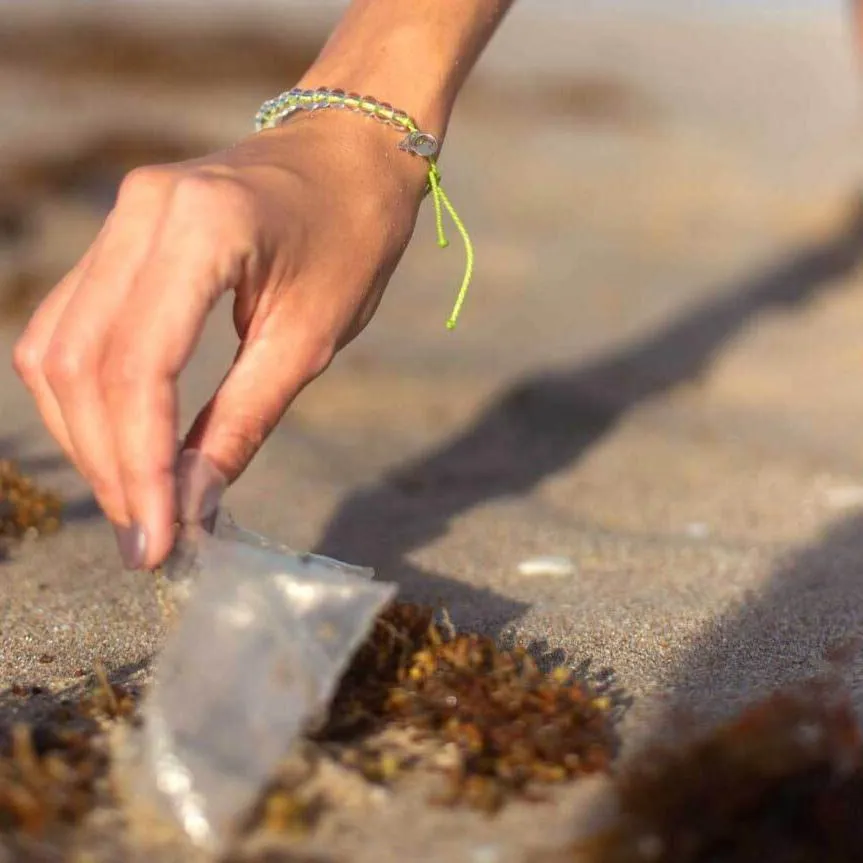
276 110
442 202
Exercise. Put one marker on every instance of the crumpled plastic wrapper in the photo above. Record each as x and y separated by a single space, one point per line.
260 639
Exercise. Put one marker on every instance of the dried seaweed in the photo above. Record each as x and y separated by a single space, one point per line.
53 771
783 783
25 508
152 55
276 855
507 724
47 777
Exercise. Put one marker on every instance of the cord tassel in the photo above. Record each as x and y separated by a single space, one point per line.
442 202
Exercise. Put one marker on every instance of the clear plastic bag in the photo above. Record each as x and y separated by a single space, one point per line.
261 638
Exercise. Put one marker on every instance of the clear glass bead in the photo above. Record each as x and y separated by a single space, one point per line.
353 101
337 99
314 100
369 105
401 119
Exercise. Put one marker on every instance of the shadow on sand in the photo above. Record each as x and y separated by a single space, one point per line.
545 423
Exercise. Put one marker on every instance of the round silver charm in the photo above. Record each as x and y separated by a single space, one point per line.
422 143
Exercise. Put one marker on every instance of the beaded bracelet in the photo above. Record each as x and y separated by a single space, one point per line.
276 111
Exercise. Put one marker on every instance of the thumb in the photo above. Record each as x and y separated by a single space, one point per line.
267 375
200 486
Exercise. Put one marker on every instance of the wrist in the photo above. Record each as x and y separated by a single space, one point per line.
365 149
426 95
414 55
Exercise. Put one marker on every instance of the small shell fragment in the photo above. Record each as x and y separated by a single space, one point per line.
485 854
844 497
547 565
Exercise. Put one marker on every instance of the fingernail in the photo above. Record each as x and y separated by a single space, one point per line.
200 486
132 543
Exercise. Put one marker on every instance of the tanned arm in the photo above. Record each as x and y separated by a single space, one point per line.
415 54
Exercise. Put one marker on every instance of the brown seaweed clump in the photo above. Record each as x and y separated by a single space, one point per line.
24 507
53 771
509 725
48 776
782 783
102 50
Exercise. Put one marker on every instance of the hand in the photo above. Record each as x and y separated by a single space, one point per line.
305 224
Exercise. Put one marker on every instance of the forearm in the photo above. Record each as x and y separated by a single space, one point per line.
415 54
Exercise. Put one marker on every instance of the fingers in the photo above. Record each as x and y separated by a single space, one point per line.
73 362
152 339
31 348
200 486
103 352
269 372
60 354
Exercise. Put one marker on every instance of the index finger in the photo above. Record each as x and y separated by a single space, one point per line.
155 335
